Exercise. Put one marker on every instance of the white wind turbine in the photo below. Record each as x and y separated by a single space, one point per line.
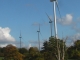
38 36
20 39
55 3
55 25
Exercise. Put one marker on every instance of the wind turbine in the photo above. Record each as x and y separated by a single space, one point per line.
50 23
38 31
20 39
55 25
54 8
38 37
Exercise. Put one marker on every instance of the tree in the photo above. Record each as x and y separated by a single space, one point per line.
74 51
34 54
51 50
23 50
11 52
1 52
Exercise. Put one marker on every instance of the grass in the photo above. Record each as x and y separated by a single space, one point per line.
1 58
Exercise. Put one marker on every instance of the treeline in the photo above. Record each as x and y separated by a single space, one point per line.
47 52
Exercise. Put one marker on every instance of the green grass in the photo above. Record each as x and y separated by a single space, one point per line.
1 58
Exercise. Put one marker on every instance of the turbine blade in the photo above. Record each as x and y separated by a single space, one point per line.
48 17
58 8
52 0
39 27
20 35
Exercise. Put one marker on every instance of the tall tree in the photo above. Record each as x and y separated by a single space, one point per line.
11 52
50 48
74 51
34 54
23 50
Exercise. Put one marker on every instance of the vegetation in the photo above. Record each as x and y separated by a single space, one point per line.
11 52
74 51
48 52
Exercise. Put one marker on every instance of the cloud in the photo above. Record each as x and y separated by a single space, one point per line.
35 24
5 36
76 24
71 39
76 36
3 45
77 29
78 19
67 20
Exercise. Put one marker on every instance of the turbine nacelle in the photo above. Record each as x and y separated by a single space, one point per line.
54 0
50 21
38 31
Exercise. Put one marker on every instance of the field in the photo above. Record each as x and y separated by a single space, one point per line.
1 58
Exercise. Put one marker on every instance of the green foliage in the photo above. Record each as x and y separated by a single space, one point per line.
1 58
1 52
11 52
49 49
48 52
34 54
23 50
74 51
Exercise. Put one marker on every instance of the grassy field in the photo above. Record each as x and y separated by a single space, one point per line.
1 58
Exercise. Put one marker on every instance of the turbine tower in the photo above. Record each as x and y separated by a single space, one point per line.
55 25
50 23
38 37
20 39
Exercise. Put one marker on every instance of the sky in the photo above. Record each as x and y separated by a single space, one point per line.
25 16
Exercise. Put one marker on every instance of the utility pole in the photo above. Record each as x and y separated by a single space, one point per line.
20 39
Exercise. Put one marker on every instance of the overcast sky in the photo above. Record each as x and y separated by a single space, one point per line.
26 15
